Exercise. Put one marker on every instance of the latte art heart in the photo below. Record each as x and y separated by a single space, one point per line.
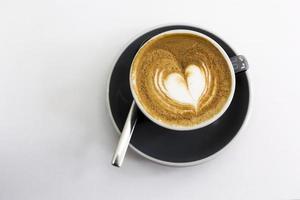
184 88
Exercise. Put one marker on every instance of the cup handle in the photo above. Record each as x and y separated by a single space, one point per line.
125 136
239 63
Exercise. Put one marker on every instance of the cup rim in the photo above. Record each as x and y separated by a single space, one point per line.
206 122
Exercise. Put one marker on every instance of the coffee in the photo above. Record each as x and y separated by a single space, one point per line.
181 79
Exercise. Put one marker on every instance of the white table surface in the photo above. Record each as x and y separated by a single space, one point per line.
56 137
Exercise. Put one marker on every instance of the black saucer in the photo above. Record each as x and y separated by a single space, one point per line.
179 148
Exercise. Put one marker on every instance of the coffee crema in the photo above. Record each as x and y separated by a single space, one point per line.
181 79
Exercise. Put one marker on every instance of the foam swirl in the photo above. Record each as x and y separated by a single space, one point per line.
186 88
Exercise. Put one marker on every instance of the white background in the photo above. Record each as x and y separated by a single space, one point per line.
56 137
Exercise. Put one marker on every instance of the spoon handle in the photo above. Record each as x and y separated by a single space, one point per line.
124 140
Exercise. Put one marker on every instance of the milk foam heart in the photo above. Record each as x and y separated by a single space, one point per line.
184 88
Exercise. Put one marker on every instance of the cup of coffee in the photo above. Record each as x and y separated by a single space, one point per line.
181 80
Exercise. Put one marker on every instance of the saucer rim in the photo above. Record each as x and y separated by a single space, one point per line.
162 162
